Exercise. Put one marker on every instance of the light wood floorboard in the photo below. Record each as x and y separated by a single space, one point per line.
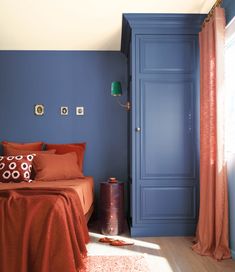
163 254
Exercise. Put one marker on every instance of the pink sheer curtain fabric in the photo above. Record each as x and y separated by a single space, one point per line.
212 230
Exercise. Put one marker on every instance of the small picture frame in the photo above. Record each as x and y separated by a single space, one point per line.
39 109
64 110
79 110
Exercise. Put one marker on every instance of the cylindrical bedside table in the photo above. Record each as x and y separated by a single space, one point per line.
112 207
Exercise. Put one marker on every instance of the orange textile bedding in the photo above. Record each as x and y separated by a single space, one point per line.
83 186
42 226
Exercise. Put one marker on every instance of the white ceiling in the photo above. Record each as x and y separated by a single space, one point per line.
77 24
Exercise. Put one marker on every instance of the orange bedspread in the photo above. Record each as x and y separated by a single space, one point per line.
83 186
42 229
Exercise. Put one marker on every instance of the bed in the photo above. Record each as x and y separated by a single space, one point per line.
43 225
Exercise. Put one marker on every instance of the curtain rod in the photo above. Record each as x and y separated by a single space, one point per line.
207 19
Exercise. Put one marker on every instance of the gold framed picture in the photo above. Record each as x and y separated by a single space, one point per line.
39 109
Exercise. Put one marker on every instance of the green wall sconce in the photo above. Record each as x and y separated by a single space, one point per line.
116 90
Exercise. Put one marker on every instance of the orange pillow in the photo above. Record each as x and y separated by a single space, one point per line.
50 167
36 146
8 150
67 148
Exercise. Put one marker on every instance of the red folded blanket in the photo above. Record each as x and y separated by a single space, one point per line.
41 230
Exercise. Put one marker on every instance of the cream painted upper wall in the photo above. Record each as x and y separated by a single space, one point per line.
77 24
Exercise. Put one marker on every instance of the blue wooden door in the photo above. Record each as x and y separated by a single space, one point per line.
166 173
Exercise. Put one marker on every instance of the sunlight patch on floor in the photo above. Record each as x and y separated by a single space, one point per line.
157 263
149 250
97 248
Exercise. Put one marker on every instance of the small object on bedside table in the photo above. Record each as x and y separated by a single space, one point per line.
112 180
112 207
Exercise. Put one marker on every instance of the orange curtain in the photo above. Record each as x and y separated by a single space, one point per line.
212 230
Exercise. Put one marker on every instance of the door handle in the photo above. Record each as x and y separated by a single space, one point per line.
138 129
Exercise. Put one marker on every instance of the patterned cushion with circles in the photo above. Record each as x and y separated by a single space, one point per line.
16 168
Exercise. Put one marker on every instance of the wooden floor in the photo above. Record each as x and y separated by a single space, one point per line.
163 254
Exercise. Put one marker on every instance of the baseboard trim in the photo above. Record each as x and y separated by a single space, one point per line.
177 229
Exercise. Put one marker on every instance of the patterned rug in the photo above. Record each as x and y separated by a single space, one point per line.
116 264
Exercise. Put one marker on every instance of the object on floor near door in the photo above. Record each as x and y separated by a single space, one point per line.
115 242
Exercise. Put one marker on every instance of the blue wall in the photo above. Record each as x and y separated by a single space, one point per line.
229 6
67 78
